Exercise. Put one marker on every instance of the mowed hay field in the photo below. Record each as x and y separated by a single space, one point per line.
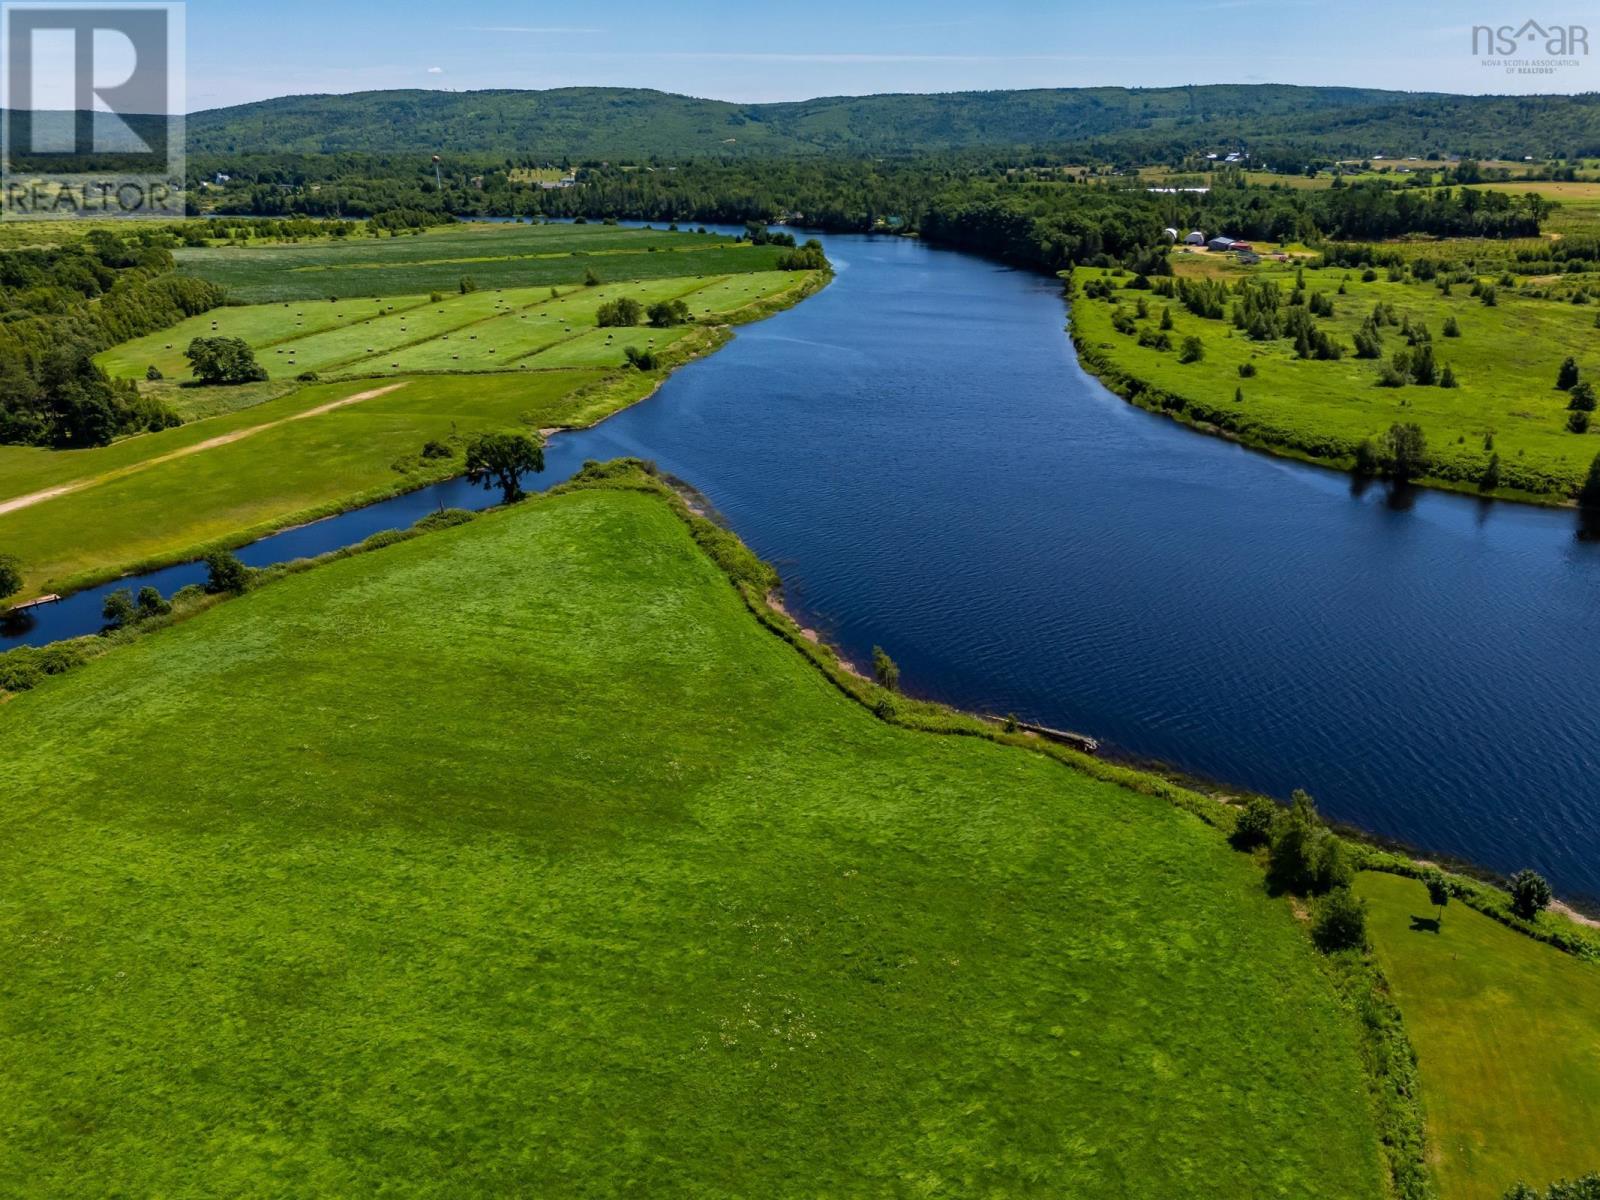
511 329
1505 360
1507 1033
546 870
492 255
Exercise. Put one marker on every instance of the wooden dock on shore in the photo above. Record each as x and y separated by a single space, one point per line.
1078 741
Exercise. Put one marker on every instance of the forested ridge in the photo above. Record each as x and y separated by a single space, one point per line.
582 123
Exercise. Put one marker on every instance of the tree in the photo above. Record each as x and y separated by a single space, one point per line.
118 609
1491 475
1340 922
1448 378
885 670
1424 371
1254 824
1368 460
1292 861
225 574
151 604
1568 375
501 460
807 258
624 312
1438 892
1166 319
153 374
1451 328
1530 894
666 313
10 577
1581 397
590 278
224 361
1589 493
1193 350
1407 448
1577 422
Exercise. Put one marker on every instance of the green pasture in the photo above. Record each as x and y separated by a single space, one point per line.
545 870
1505 360
493 256
1507 1033
136 510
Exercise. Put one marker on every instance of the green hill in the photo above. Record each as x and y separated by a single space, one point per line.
624 122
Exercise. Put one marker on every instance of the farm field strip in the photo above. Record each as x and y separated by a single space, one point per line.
222 439
483 330
510 334
1507 1033
494 256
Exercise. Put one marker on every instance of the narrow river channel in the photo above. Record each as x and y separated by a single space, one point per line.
918 451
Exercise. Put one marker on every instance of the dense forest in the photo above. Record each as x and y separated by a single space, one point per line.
1081 218
1117 124
60 307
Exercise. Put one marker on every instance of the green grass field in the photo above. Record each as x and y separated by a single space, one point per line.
495 256
150 507
517 328
544 870
1507 1032
1506 361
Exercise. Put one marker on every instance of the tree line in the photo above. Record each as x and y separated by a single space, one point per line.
59 307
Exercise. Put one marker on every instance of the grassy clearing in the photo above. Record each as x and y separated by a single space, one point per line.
1506 361
1507 1033
508 256
642 903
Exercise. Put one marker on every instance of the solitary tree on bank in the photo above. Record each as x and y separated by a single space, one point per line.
10 577
1589 494
885 670
1438 892
501 460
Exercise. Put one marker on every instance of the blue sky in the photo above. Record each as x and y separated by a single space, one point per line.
753 52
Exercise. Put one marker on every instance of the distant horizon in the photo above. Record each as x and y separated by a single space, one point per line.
465 91
719 50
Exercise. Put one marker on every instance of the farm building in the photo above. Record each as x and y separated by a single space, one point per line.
1220 245
1195 239
1242 248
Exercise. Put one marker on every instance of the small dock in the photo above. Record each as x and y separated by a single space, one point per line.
40 602
1078 741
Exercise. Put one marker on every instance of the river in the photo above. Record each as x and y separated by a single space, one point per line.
918 451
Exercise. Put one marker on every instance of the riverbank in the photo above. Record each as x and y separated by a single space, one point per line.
1429 357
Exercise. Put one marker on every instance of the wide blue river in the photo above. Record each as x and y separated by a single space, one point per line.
919 452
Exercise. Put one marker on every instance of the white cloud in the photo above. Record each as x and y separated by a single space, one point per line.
435 70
